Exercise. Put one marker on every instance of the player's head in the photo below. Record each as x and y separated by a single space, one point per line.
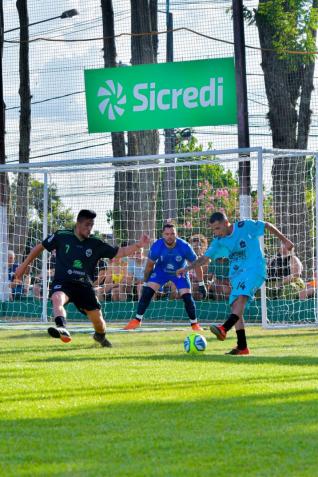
11 256
199 243
169 234
85 222
219 224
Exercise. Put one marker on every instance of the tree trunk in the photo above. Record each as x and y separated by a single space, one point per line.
142 196
20 224
287 82
118 139
4 184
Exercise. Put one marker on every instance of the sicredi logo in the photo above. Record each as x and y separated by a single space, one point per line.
155 96
149 98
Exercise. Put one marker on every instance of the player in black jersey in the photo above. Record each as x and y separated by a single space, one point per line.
76 257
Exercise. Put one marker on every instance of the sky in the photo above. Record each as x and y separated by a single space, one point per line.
59 126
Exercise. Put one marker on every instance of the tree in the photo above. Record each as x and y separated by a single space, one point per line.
142 184
118 139
58 216
282 26
19 229
4 184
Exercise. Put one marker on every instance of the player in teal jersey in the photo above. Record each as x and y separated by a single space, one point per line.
77 254
239 242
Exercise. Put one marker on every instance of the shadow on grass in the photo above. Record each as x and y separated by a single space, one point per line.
167 439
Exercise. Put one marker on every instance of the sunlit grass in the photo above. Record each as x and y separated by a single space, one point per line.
145 408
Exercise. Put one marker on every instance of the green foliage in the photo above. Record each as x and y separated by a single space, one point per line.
58 215
293 23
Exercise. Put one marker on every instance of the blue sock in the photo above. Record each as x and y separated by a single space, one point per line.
190 307
145 299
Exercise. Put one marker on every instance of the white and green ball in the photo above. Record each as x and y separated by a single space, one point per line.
195 344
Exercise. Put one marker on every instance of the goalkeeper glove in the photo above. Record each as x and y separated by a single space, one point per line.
203 290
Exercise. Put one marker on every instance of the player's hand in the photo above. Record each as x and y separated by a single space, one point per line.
18 274
144 240
181 272
203 290
288 244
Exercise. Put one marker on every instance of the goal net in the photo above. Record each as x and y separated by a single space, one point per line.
140 194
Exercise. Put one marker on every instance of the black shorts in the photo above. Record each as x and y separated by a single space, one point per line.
81 294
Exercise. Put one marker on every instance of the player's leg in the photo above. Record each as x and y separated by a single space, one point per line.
59 299
147 294
189 303
238 307
244 288
96 317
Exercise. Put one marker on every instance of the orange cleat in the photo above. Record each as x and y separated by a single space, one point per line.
61 333
196 327
218 331
236 351
133 324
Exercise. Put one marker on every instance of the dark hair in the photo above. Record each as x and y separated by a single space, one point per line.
85 214
217 217
168 226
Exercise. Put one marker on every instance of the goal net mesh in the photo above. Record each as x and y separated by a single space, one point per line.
140 195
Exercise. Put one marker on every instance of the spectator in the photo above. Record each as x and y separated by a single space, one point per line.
199 244
17 287
218 279
119 277
136 266
38 279
103 283
310 289
284 275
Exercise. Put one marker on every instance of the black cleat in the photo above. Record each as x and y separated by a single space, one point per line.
102 340
61 333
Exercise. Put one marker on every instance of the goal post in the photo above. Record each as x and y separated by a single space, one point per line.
132 195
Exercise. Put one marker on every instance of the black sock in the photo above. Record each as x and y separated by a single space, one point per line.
190 307
241 339
60 321
145 299
100 335
230 322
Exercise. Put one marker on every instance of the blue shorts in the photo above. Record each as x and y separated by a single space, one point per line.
161 277
246 284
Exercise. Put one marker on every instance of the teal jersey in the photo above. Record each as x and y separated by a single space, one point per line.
242 248
76 259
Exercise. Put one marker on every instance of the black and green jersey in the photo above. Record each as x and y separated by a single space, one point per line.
76 259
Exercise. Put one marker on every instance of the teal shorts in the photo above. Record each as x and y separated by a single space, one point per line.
245 284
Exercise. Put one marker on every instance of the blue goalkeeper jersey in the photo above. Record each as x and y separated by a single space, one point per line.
242 248
169 260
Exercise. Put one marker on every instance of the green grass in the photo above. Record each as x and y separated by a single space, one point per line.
145 408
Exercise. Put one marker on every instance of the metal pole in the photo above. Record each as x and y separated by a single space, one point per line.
242 108
170 199
316 231
45 255
260 198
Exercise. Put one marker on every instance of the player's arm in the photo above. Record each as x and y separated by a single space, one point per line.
148 269
199 274
274 231
131 249
198 263
35 252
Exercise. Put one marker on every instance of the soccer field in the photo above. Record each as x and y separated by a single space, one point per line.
145 408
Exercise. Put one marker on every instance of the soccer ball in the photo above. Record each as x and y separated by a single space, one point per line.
195 344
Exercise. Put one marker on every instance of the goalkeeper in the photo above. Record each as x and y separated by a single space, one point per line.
240 243
166 255
77 255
